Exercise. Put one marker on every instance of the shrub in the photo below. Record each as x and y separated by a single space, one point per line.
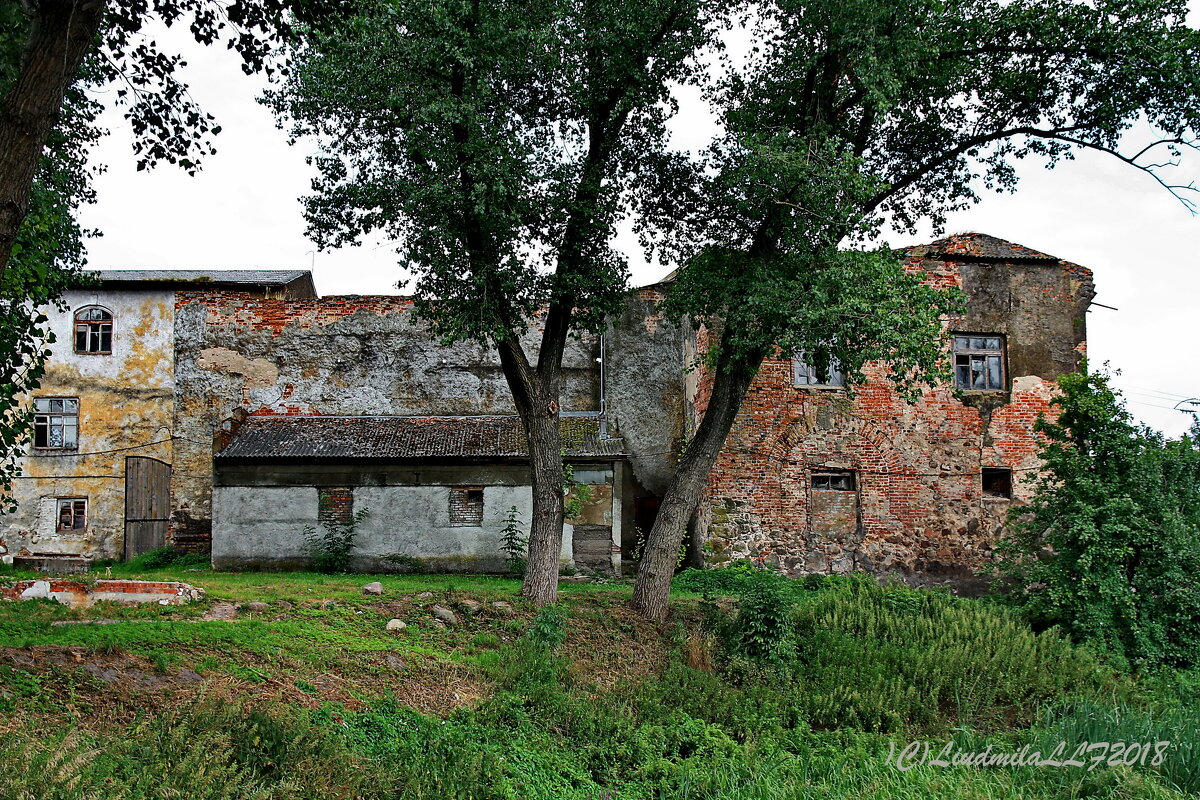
513 543
329 549
1109 547
161 557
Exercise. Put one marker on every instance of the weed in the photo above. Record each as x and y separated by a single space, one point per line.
513 543
329 549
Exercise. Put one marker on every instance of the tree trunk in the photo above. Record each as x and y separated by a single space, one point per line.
536 399
61 34
546 526
731 381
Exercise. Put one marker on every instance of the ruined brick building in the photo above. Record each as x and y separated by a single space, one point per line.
228 410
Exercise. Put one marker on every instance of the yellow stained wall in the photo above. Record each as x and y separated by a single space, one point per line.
126 408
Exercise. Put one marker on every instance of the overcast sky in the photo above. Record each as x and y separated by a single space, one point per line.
243 211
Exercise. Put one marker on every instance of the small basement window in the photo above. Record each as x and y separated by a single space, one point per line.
72 513
997 483
833 481
466 506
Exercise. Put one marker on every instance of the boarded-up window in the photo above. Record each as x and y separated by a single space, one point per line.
335 505
466 506
997 482
72 513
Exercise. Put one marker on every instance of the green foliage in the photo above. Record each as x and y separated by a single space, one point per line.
1109 546
542 733
329 549
578 495
549 627
883 658
161 557
513 542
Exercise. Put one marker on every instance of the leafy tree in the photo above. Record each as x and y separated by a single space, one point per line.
500 142
51 50
1109 547
850 112
47 255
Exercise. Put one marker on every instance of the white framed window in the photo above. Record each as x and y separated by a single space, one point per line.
979 362
805 373
93 330
56 423
72 513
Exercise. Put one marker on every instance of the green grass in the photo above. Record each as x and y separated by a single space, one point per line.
299 702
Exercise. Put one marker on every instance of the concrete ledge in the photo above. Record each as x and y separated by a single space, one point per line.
81 594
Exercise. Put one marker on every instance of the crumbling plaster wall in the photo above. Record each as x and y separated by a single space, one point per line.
646 372
261 510
126 407
333 356
921 512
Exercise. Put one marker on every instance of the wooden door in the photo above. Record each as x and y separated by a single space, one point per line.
147 504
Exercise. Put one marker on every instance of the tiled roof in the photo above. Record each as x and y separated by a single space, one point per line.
984 247
257 277
275 438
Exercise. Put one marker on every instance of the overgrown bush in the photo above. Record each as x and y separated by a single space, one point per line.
161 557
513 543
1109 547
329 548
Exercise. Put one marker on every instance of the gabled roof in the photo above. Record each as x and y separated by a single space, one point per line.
427 438
298 282
980 246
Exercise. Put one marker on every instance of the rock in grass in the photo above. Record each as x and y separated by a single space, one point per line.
396 663
471 607
425 595
328 604
502 607
445 616
257 607
375 588
396 625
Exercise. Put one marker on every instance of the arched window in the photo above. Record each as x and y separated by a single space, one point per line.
93 330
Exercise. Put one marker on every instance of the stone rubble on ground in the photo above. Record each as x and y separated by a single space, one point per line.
445 615
471 607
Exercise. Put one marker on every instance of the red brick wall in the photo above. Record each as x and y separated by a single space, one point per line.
921 512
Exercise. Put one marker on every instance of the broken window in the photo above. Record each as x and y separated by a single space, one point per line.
466 506
997 482
979 362
93 330
56 423
810 370
72 513
833 481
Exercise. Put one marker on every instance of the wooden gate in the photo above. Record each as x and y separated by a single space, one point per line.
147 504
